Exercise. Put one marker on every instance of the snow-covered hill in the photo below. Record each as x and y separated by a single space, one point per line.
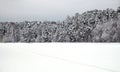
59 57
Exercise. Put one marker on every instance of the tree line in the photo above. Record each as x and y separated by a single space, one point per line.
90 26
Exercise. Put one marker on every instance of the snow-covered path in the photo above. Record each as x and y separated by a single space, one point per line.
59 57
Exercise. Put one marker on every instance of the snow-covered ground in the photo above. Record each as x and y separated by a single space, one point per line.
59 57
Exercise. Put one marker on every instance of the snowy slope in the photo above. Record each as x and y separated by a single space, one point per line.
59 57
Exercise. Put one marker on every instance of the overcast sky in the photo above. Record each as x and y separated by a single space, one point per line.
18 10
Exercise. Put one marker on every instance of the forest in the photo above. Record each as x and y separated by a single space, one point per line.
90 26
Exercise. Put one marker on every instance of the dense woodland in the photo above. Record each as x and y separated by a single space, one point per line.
90 26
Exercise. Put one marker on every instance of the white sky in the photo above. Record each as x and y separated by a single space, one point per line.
49 9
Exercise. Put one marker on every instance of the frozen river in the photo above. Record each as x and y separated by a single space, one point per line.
59 57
